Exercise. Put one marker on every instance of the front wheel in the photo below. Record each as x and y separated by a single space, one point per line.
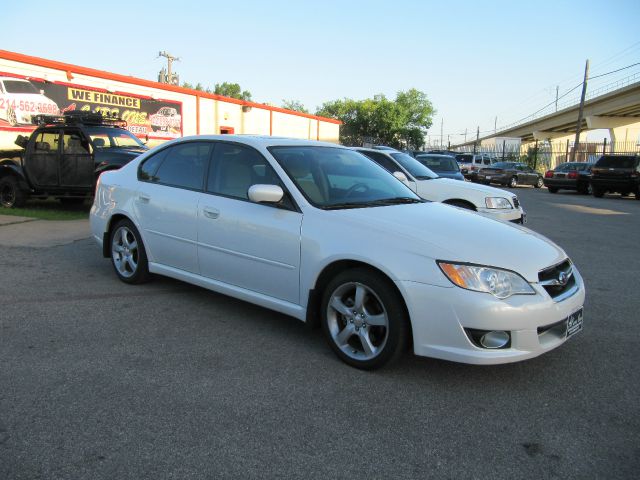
539 183
364 319
513 182
128 256
12 118
11 195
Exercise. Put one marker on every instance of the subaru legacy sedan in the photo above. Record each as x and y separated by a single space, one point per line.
321 233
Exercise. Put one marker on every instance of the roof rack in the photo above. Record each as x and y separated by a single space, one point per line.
79 117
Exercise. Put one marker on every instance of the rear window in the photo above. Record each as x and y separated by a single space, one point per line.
439 163
617 161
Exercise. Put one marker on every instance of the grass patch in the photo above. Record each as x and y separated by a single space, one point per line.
49 210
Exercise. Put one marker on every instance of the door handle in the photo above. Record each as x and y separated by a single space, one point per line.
144 198
211 212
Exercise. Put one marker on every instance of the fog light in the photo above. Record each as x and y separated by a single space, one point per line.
495 339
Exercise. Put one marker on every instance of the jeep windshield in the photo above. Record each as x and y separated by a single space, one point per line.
108 137
334 178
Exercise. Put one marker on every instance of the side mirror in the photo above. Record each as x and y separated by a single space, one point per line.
265 193
401 176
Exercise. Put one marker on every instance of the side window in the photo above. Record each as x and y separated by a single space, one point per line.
184 165
487 161
148 168
235 168
74 144
383 161
46 142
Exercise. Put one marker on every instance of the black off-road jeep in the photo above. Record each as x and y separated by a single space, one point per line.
64 156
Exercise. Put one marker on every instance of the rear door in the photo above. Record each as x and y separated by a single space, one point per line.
43 157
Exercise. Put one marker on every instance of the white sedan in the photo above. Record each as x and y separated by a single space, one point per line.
489 201
321 233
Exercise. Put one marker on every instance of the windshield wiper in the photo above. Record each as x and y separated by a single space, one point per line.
396 201
345 205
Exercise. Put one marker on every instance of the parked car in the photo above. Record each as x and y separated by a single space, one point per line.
20 100
385 148
321 233
443 165
616 173
165 119
510 174
569 176
471 163
63 157
489 201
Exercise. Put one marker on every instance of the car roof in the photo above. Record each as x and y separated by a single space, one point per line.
260 140
434 155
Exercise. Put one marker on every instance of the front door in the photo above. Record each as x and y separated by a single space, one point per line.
241 243
76 165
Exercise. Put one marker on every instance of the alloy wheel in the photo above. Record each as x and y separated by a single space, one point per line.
125 252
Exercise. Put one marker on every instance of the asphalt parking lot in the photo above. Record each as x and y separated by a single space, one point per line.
101 380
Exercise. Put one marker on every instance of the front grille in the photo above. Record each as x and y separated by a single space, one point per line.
559 280
516 202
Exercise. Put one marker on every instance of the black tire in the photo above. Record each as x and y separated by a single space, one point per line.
597 192
129 262
539 183
11 195
552 189
345 331
513 182
461 204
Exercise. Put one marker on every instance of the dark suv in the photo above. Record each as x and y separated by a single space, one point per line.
64 156
616 173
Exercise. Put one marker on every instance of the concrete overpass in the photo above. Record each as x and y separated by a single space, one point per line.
617 110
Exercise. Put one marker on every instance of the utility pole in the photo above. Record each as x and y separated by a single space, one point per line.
475 144
441 130
465 135
167 76
557 90
495 126
580 112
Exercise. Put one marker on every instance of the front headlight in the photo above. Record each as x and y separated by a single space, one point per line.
500 283
497 202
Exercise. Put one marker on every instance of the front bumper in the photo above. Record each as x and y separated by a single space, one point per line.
439 317
516 215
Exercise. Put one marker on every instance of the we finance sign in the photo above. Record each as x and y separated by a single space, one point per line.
160 119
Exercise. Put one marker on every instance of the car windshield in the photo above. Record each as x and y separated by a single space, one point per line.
414 167
106 137
337 178
17 86
503 165
439 163
617 161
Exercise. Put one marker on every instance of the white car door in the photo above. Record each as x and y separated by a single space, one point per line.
166 204
241 243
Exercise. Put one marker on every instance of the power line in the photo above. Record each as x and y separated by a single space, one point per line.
614 71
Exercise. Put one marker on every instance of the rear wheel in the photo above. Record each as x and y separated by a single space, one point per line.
552 189
539 183
513 182
364 319
128 256
11 195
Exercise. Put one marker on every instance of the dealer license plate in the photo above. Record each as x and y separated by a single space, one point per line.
574 323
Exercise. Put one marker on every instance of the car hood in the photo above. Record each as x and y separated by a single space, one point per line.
476 187
443 232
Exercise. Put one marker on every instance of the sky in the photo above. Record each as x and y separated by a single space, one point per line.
476 61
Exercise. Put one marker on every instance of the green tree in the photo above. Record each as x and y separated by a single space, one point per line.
232 90
399 123
294 105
